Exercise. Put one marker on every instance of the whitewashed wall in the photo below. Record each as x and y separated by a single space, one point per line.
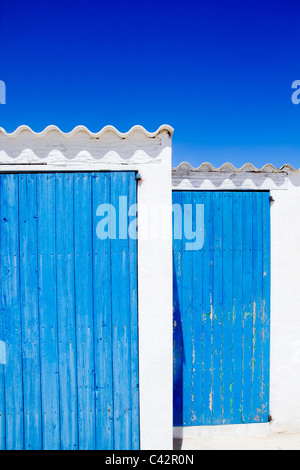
150 155
285 307
284 187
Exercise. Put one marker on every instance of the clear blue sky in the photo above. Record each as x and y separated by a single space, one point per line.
220 72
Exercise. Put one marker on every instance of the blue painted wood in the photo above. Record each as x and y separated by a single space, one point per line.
217 311
2 344
186 317
48 311
69 319
121 320
133 306
197 333
237 301
266 308
84 310
247 320
30 311
178 353
207 314
65 285
227 290
102 317
221 355
258 304
11 315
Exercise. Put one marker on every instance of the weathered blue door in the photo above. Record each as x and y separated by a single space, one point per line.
222 310
68 320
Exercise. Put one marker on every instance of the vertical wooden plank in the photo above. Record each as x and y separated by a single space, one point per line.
257 306
177 324
120 320
247 306
227 308
2 333
66 310
134 345
11 311
266 307
197 335
217 308
30 311
102 318
84 310
208 311
47 310
237 308
187 306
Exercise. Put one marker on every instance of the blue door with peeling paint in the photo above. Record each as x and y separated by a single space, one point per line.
68 320
222 309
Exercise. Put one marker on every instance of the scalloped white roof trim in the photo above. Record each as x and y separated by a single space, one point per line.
122 135
228 167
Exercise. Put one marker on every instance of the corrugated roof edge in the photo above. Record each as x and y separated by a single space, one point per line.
122 135
185 167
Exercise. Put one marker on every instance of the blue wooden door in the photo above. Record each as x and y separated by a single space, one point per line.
68 321
222 309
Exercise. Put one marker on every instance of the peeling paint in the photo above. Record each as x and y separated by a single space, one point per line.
211 401
2 352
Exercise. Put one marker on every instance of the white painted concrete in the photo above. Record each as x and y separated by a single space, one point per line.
272 442
150 155
285 308
155 306
206 177
284 187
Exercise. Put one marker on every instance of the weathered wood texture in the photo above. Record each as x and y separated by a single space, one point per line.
69 375
222 311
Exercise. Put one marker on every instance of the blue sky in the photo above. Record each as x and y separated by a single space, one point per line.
220 72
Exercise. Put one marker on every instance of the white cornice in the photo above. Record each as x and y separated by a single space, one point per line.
122 135
81 149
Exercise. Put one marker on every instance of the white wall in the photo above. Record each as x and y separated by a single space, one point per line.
285 308
155 306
